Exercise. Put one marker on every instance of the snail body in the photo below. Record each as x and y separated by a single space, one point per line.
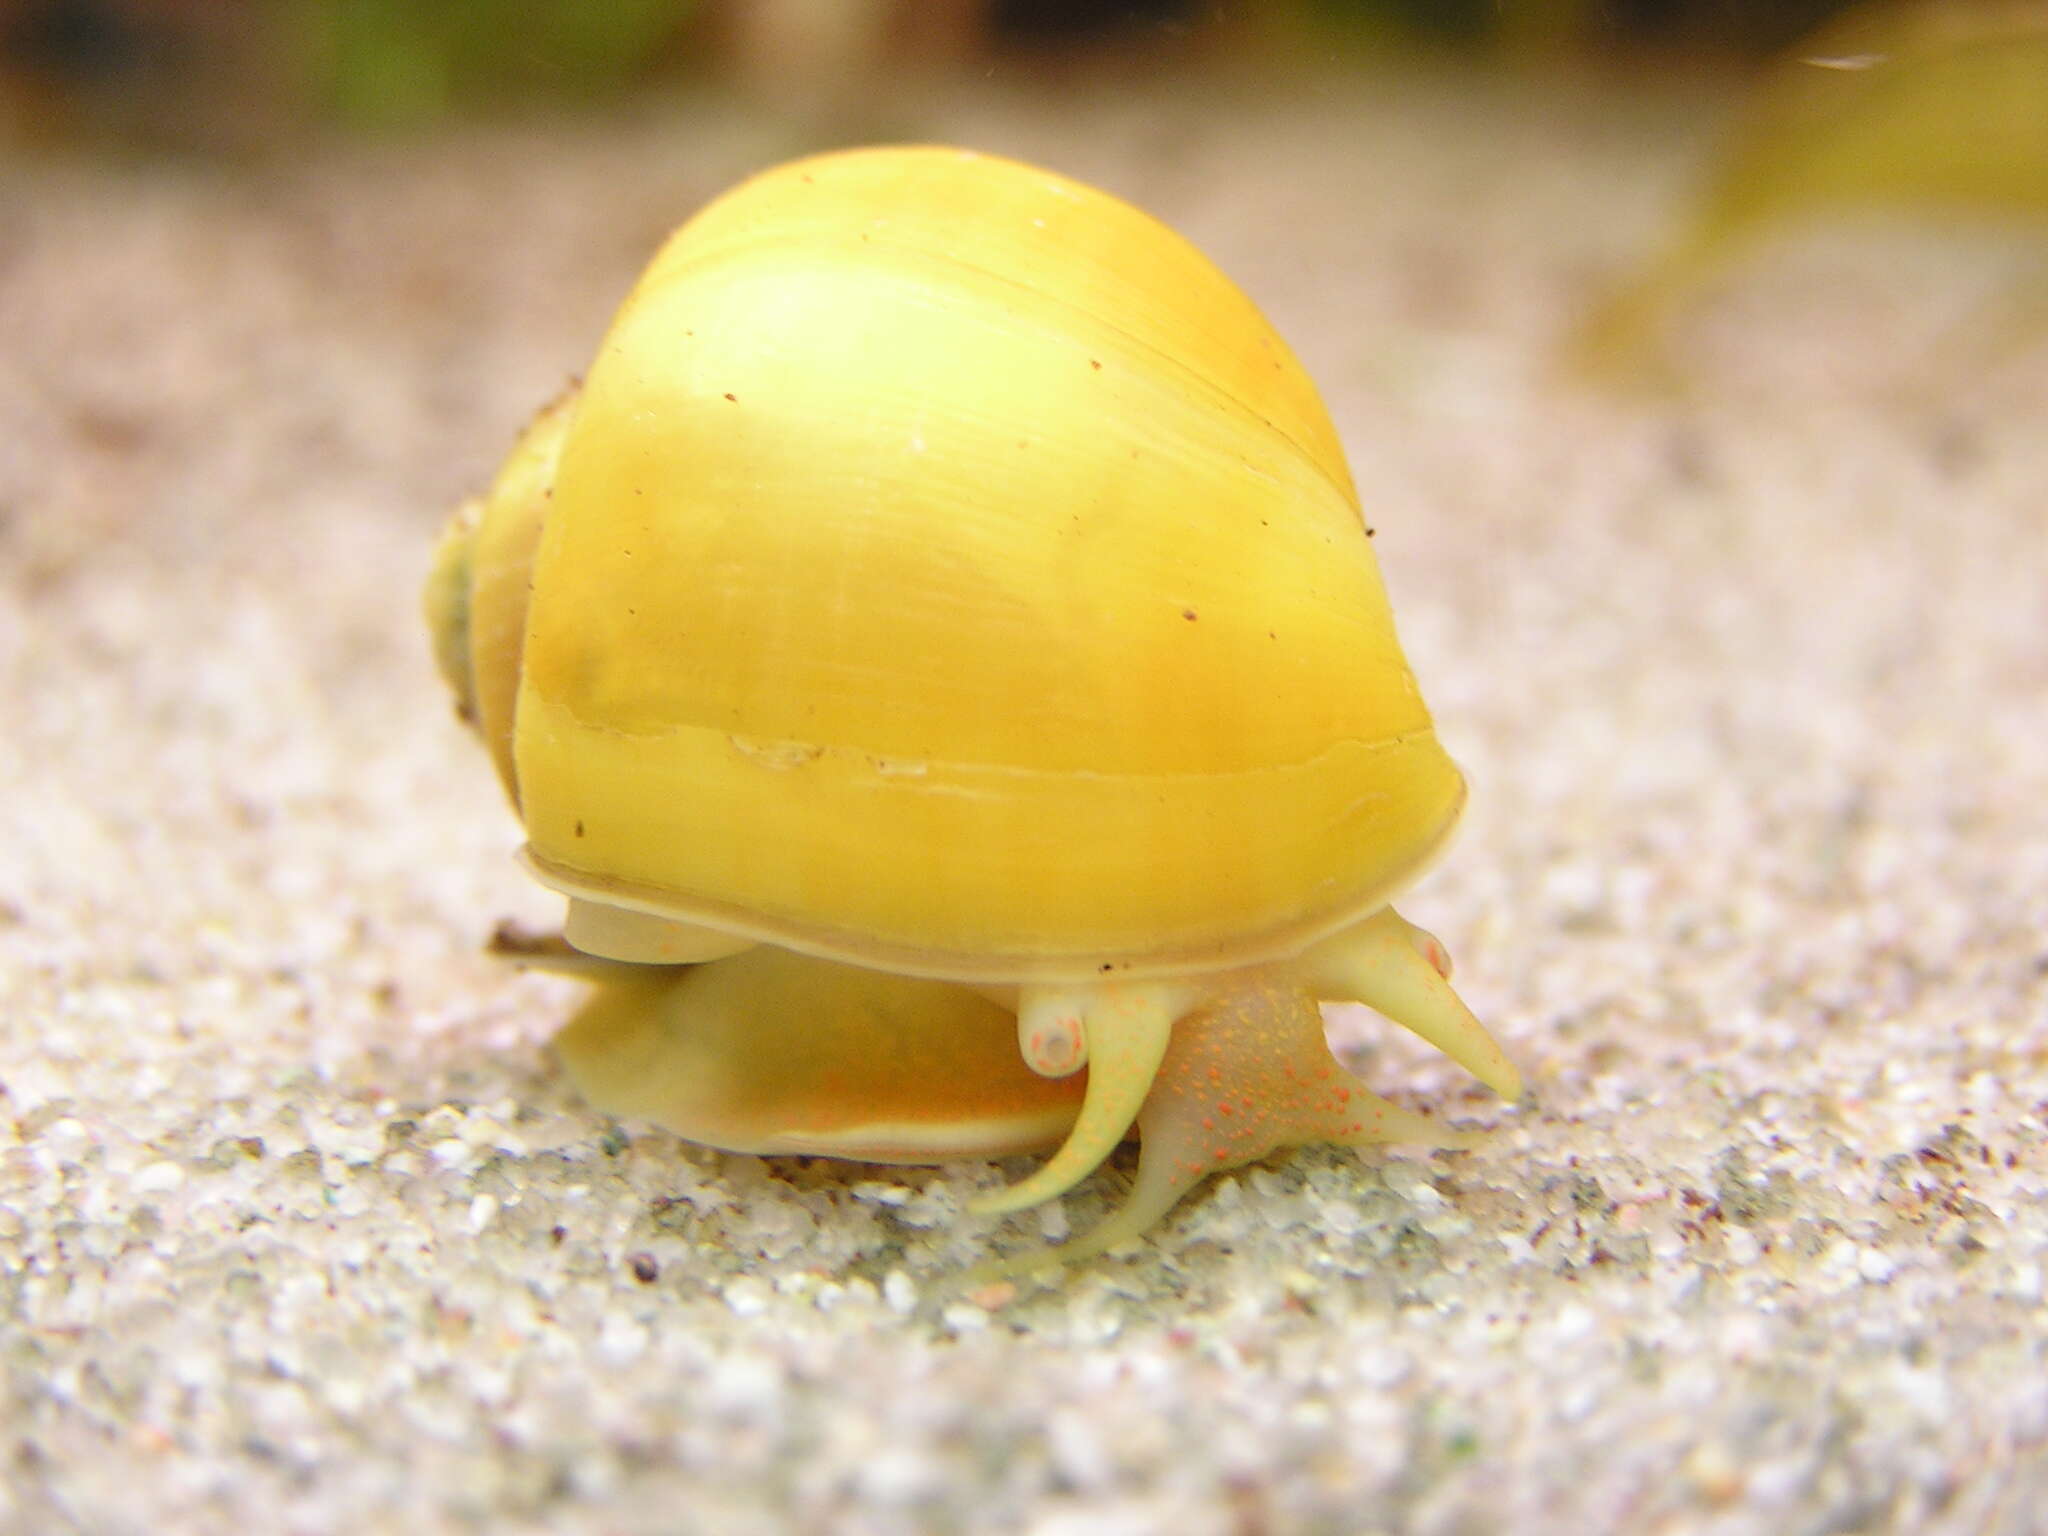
945 573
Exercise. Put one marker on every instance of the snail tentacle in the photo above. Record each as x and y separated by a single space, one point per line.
1050 1031
1399 970
1126 1027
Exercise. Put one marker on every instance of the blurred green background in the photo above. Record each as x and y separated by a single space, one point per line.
1933 108
226 73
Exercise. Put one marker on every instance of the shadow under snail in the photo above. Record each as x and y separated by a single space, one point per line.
938 653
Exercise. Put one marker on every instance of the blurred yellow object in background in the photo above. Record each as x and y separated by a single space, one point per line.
1934 108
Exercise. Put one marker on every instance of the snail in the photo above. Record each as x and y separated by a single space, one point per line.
937 652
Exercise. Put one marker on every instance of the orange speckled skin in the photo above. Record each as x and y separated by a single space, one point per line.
1247 1081
1253 1073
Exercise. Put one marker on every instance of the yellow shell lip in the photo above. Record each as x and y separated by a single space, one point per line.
1256 947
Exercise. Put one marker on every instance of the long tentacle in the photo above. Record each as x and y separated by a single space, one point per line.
1390 965
1126 1027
